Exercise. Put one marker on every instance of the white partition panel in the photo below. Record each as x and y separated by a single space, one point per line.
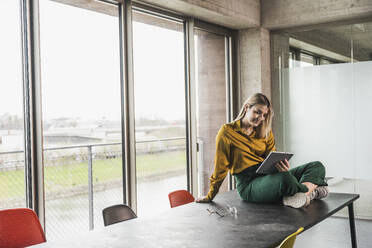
363 131
319 117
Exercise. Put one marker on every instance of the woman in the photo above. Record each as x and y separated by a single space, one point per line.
242 145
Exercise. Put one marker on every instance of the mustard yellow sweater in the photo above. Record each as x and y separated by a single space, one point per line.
236 151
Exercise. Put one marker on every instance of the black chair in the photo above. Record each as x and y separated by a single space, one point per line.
117 213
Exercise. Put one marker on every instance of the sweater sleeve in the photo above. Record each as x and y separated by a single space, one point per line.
221 163
270 143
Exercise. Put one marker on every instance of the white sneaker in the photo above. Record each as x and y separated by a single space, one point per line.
297 200
319 193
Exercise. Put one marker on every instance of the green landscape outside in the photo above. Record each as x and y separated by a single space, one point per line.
67 176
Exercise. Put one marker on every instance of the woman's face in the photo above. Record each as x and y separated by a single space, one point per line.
256 114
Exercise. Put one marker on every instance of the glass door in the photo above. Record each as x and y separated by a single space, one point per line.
160 129
12 164
81 114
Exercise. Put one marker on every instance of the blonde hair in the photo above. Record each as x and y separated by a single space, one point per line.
263 130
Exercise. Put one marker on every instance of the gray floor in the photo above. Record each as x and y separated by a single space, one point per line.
362 207
334 232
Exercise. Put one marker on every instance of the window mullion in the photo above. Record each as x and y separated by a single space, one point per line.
32 107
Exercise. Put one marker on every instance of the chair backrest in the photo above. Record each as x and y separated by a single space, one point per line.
117 213
179 197
20 227
289 241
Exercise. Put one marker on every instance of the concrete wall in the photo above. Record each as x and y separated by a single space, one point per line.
278 14
211 100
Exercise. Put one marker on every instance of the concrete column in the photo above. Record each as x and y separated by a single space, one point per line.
254 49
212 100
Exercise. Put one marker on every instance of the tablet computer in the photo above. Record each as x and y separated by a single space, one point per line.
268 165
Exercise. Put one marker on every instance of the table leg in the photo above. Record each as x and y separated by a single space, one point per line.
352 225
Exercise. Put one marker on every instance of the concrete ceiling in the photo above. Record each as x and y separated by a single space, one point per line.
341 39
284 14
235 14
93 5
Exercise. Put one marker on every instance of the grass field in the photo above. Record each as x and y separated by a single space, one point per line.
67 176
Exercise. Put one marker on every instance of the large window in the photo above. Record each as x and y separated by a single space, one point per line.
159 84
81 116
12 166
76 95
304 58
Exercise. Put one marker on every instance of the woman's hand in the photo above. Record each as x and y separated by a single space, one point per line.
203 199
282 166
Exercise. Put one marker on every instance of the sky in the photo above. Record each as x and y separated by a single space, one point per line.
10 58
80 65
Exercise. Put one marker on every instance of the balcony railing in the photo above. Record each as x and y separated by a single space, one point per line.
59 156
15 162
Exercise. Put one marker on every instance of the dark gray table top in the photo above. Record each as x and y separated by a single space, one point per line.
191 225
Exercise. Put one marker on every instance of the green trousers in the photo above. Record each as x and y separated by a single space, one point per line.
253 187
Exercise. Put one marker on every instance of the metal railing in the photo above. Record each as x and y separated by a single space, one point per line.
16 162
98 144
89 146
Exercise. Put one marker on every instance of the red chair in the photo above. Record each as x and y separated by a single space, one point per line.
20 227
179 197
